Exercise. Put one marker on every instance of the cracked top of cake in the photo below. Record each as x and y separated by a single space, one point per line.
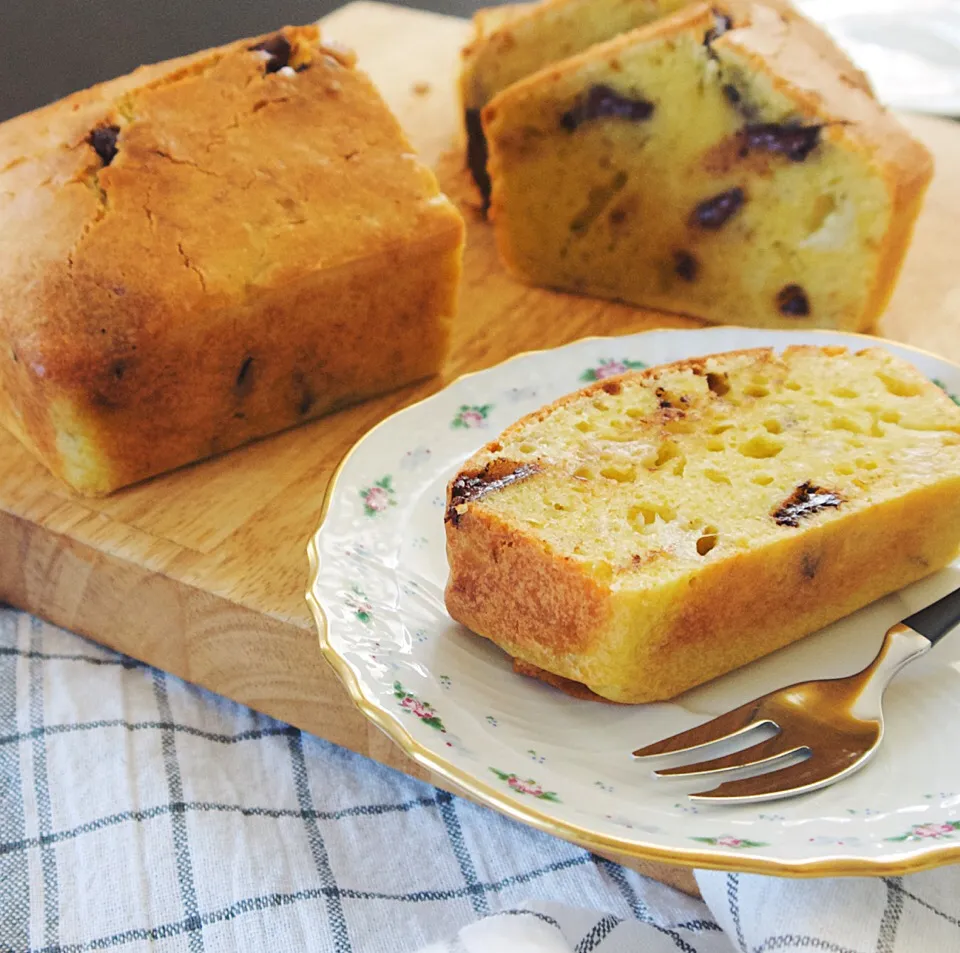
197 184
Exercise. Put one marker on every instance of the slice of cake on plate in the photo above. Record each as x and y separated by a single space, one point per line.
718 163
658 529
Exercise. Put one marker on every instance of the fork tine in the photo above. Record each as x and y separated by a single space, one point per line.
808 775
745 758
731 724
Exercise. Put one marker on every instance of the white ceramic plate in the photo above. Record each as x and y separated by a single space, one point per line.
452 702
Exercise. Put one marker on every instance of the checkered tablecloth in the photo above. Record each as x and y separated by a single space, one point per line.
141 813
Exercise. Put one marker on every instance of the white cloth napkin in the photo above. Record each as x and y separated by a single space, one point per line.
138 813
914 914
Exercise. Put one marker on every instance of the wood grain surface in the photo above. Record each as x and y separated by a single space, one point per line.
202 572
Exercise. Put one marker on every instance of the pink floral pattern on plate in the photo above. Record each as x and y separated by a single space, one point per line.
378 497
929 831
419 709
528 786
610 367
726 840
471 416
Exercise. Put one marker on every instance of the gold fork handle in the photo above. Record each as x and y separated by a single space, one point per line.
900 645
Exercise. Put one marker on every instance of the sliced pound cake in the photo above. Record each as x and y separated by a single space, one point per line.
718 163
658 529
513 41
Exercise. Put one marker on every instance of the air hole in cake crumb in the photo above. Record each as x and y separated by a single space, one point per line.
668 451
721 427
622 473
643 515
845 392
584 472
707 541
823 206
898 386
762 479
635 413
600 404
526 448
773 426
890 416
761 447
717 476
844 469
844 423
792 385
715 444
756 390
718 383
585 426
864 463
104 142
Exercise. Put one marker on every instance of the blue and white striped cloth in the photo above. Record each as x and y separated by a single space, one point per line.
140 813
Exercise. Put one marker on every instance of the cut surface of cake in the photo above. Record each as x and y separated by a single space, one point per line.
717 163
513 41
658 529
210 250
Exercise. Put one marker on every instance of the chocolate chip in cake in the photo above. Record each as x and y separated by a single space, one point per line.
497 474
278 49
685 266
794 141
792 302
602 101
477 154
104 142
715 212
244 381
721 24
806 499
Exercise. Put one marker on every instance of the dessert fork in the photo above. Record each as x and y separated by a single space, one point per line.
824 730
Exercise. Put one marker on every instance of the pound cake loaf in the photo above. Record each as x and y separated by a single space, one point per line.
717 163
210 250
658 529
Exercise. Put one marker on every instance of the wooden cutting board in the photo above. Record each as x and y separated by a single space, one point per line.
202 572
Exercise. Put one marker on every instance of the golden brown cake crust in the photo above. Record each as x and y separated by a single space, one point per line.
262 247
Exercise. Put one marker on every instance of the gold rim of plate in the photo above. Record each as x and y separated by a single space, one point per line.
933 855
